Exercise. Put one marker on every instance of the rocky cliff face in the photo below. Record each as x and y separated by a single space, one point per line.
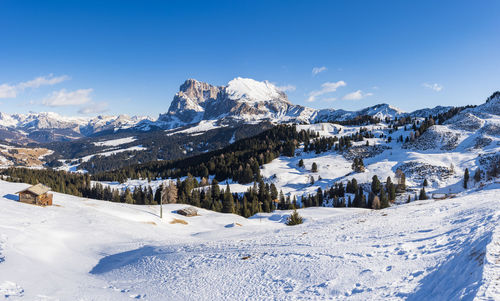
242 99
188 105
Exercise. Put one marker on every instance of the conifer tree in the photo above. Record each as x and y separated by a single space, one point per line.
371 197
423 195
392 192
477 175
116 196
128 197
274 192
289 149
358 198
294 218
384 202
466 178
228 202
375 202
375 184
319 194
170 193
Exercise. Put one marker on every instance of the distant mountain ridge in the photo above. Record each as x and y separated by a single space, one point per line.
49 126
248 100
242 101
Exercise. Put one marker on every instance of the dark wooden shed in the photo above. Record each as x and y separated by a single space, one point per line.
37 195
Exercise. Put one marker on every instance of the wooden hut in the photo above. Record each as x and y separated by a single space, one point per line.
37 195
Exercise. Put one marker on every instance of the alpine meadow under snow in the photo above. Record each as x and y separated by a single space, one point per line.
83 249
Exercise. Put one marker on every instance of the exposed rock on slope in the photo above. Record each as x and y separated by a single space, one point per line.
436 137
243 99
473 128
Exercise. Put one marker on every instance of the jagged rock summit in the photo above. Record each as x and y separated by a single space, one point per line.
248 100
243 99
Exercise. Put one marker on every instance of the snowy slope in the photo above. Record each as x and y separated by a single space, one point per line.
249 90
83 249
115 142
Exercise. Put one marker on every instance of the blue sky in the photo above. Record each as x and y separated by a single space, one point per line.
112 57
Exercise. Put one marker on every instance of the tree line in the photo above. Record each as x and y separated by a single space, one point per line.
240 161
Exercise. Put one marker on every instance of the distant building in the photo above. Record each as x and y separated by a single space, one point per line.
37 195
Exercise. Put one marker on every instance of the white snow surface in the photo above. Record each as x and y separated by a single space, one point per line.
73 166
81 249
198 129
115 142
250 90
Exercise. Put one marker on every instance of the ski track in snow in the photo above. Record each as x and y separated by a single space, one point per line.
94 250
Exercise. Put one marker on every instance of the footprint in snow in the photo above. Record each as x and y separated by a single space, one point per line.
139 296
10 289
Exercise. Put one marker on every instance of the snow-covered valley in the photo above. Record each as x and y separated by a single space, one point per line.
81 249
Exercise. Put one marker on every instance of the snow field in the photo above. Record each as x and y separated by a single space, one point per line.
115 142
84 249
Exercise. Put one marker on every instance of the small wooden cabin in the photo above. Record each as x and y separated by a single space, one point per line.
37 195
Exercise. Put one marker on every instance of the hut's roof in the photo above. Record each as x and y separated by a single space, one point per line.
37 189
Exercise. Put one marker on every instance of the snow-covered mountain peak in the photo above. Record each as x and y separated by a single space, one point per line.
250 90
8 121
242 99
385 106
382 111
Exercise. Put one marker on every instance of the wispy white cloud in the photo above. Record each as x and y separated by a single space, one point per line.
68 98
43 81
436 87
327 87
317 70
287 88
356 95
7 91
11 91
94 108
